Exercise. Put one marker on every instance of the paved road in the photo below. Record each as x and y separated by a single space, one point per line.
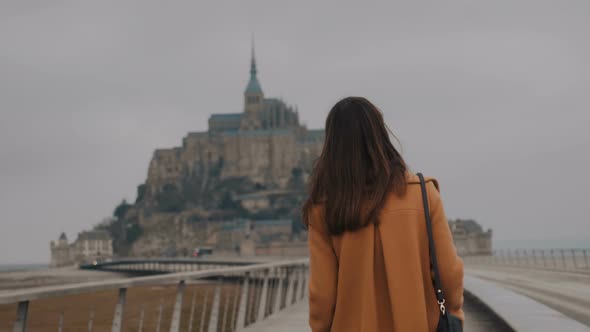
568 293
294 319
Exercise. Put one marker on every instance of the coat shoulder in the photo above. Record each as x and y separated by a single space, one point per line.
413 179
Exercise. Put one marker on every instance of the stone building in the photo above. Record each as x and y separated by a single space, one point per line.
60 252
470 238
264 143
93 245
89 246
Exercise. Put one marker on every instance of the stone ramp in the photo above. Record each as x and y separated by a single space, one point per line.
294 319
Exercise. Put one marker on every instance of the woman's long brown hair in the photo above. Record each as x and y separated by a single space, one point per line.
357 169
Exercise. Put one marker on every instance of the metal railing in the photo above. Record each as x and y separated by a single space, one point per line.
260 290
555 259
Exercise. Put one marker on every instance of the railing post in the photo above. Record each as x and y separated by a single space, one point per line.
175 324
243 304
91 321
263 295
141 317
159 320
20 324
297 285
119 309
299 282
235 307
214 316
291 288
225 310
586 258
204 312
279 292
303 281
192 314
574 258
515 257
563 258
269 293
252 295
60 322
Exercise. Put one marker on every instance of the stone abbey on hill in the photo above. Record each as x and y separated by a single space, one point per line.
241 180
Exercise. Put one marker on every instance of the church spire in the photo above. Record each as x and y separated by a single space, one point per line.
253 87
253 62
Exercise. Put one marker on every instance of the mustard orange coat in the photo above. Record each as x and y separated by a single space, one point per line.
378 278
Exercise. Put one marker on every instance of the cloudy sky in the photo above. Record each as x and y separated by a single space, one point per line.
492 98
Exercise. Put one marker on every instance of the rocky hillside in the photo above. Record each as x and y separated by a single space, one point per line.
181 217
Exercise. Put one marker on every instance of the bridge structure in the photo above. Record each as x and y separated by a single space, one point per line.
227 294
159 265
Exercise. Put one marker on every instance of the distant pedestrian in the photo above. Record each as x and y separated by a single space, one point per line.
370 262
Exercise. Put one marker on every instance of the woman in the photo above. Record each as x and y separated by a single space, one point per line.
369 255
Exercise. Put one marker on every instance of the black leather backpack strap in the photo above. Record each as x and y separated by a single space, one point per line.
440 297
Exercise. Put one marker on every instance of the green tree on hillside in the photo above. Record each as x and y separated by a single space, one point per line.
121 210
170 199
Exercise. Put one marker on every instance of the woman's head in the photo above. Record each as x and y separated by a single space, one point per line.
358 167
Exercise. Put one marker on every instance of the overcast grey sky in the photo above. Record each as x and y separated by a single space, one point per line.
492 98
